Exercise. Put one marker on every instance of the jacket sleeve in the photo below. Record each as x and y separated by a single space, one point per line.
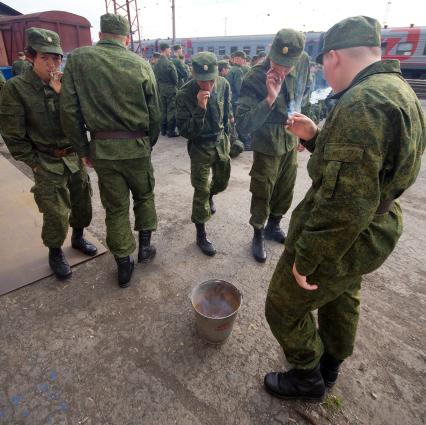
71 117
173 73
349 195
153 103
190 119
13 126
227 108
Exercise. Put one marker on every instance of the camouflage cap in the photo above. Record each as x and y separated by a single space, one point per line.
43 41
287 47
261 54
223 64
176 47
164 46
351 32
204 66
156 54
115 24
239 54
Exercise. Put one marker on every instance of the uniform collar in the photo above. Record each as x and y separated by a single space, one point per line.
388 66
110 42
32 78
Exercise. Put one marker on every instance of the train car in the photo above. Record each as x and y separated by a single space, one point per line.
408 45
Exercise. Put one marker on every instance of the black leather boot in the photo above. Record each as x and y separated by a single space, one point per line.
59 264
296 384
212 205
205 245
258 245
329 367
172 133
125 267
146 250
78 242
273 230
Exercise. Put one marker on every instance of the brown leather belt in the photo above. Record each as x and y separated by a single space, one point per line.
55 152
384 207
117 134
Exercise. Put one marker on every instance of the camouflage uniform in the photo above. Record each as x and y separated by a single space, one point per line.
182 71
208 141
235 79
100 95
30 123
20 66
343 229
167 79
2 80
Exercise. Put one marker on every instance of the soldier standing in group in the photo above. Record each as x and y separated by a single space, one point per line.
181 68
31 128
364 158
20 65
203 111
154 59
167 79
265 98
120 107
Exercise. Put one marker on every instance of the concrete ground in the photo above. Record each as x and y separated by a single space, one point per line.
87 352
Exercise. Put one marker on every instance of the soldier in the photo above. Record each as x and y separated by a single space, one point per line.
266 95
120 107
20 65
181 68
154 59
167 79
203 111
31 128
366 155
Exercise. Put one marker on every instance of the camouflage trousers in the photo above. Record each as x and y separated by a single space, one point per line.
288 310
203 159
116 179
62 199
272 183
168 112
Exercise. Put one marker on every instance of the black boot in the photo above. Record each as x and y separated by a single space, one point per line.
146 250
296 384
125 267
212 205
163 130
258 245
172 133
59 264
329 367
78 242
273 230
205 245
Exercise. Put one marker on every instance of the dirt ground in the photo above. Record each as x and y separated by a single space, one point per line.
87 352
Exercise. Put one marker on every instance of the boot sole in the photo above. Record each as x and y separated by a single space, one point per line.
298 397
85 253
147 260
259 260
271 238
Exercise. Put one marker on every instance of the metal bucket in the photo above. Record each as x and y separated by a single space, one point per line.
216 304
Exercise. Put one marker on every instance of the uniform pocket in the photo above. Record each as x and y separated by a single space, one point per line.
259 186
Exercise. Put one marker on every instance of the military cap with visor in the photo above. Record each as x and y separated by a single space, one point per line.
114 24
164 46
204 66
287 47
223 64
43 41
351 32
239 54
177 47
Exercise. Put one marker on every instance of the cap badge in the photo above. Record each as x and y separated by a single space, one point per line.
206 67
49 39
285 50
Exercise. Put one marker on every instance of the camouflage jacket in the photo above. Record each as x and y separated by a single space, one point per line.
182 71
203 126
20 66
29 113
108 88
255 117
167 76
2 80
235 79
368 151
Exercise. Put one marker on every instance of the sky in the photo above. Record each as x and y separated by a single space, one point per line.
198 18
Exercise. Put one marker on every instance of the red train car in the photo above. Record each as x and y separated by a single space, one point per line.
74 31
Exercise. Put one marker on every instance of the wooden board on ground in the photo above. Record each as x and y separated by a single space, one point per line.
23 257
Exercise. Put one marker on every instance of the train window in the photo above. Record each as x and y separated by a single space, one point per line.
200 49
234 49
260 49
247 50
222 50
189 51
210 49
404 49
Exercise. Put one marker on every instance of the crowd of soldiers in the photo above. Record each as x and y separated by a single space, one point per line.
104 112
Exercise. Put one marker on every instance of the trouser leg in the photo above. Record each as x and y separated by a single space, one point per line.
221 172
80 196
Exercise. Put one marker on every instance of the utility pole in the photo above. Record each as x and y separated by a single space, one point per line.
174 21
129 10
387 13
226 21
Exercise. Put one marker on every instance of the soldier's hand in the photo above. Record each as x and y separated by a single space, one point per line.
301 280
300 147
274 81
202 98
55 81
87 162
301 126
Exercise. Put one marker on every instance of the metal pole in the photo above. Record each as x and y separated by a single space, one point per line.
173 21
